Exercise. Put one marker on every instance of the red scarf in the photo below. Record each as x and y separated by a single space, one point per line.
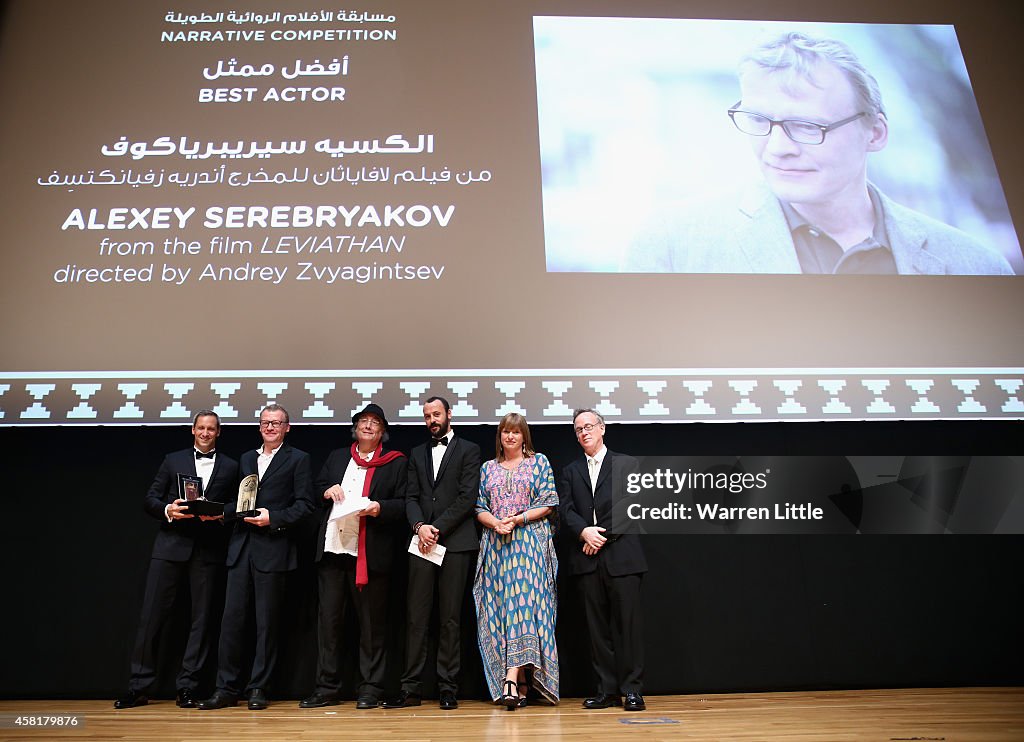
362 573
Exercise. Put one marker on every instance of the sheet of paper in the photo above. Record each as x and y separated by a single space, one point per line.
348 506
436 555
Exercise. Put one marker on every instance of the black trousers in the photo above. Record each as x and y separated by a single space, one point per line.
616 630
450 578
252 596
336 580
163 581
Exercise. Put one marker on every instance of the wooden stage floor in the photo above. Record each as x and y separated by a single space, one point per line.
918 715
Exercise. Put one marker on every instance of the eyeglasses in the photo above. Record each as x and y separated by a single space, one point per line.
271 424
801 132
586 428
372 421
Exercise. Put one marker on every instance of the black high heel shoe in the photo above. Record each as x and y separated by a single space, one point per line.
524 688
509 698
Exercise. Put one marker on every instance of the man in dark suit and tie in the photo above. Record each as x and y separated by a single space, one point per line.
261 553
610 566
444 480
354 551
187 549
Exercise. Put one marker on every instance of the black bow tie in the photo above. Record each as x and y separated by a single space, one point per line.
439 442
201 455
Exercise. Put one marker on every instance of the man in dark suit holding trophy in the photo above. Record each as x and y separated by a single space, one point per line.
261 553
188 549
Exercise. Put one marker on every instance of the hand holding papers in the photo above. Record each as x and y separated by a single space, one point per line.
348 506
435 555
343 537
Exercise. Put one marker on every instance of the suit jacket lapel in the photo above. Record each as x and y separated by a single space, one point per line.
217 470
907 240
765 240
585 502
449 451
428 462
275 463
216 467
602 489
605 472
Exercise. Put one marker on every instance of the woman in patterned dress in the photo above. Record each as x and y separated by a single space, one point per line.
514 586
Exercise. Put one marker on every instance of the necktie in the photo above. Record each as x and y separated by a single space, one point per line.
439 442
208 455
594 469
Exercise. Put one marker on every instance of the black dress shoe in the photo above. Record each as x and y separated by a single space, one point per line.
185 699
403 699
634 702
448 702
130 700
257 699
319 700
602 701
219 700
367 702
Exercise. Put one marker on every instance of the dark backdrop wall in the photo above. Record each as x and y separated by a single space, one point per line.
723 612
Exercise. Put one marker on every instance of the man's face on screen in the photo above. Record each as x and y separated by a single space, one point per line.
818 174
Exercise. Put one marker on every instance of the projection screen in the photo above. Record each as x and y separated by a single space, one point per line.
520 206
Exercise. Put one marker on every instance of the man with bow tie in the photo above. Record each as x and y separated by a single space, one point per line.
187 550
444 477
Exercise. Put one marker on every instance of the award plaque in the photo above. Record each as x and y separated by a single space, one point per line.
190 489
246 507
205 507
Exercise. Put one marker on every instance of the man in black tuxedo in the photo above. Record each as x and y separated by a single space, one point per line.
355 551
444 481
610 566
261 553
187 549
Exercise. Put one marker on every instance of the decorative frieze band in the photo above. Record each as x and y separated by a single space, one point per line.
630 395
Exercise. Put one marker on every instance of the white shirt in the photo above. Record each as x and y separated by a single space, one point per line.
437 452
204 468
263 460
345 540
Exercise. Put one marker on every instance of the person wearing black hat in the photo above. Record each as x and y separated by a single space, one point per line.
362 508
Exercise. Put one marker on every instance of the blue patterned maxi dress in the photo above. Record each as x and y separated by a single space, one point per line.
514 586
